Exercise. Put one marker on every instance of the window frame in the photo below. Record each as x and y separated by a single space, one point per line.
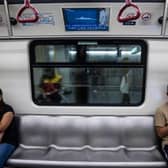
142 64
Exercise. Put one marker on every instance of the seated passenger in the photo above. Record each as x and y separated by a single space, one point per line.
8 141
161 124
50 85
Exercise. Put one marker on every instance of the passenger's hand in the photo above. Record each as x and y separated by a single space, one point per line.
51 92
1 136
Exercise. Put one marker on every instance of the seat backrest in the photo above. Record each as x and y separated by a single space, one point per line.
95 131
69 131
36 130
104 131
138 131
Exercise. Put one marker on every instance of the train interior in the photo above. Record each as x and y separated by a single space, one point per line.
85 78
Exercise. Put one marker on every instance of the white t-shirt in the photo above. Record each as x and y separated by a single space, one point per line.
124 86
102 18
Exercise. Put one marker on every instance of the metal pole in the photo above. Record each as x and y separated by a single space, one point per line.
163 32
8 18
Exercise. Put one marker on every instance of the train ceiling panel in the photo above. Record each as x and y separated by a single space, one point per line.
54 18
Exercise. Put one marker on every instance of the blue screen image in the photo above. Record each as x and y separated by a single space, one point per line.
85 19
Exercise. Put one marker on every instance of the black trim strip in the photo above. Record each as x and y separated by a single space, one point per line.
87 65
80 1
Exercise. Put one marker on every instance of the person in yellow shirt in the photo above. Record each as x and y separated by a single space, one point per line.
50 85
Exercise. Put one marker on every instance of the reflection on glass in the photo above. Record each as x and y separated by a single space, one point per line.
117 54
93 53
85 86
55 53
102 54
130 54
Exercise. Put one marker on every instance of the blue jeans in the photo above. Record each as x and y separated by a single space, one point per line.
5 152
165 150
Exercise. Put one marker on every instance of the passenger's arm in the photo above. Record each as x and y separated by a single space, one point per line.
161 123
6 121
162 131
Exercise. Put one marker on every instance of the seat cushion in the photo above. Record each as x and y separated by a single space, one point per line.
144 156
50 154
45 158
106 156
92 154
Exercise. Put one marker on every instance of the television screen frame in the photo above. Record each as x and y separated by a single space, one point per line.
99 22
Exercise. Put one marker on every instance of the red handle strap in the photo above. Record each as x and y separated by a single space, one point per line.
27 5
128 18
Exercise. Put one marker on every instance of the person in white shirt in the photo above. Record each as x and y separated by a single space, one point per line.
102 17
125 87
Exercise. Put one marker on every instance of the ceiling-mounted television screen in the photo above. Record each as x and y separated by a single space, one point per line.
86 19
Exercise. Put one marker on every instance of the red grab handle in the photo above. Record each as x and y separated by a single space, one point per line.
27 5
128 18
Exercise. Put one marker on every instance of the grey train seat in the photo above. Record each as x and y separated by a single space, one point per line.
80 141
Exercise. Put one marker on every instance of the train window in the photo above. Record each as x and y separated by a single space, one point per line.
88 73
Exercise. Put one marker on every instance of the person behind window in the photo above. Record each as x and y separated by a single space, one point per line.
125 87
8 140
102 17
161 125
50 85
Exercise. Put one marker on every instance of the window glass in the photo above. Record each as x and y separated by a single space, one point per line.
94 54
117 54
55 53
88 74
88 85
